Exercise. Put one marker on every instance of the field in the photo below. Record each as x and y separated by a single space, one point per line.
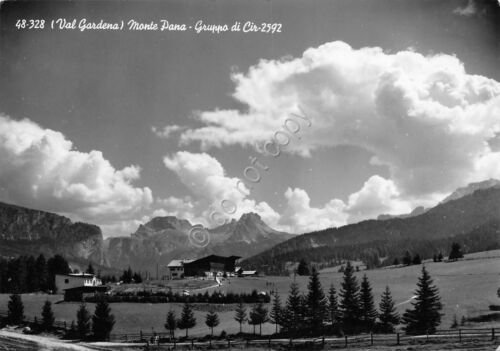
467 288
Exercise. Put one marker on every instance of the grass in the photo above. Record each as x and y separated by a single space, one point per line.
466 287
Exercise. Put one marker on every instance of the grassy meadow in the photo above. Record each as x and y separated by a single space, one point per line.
466 287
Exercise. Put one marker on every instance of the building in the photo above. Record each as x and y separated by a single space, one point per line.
175 269
212 265
76 285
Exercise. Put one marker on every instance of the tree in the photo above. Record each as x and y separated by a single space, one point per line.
42 274
171 323
395 262
240 314
56 265
212 320
47 316
416 259
333 307
407 258
368 313
425 315
316 311
102 320
454 324
303 268
388 315
456 252
293 313
15 313
83 321
187 319
440 257
90 269
137 278
276 311
127 276
349 300
258 315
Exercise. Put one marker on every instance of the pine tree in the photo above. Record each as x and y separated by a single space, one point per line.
349 300
212 320
454 324
407 258
258 315
425 315
187 319
388 315
417 259
42 274
15 313
303 268
333 307
102 320
368 313
171 323
456 252
83 321
316 311
240 314
276 311
293 313
47 316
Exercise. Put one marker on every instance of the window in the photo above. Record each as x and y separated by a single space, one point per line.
66 281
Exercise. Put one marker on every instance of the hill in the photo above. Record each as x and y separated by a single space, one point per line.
25 231
473 220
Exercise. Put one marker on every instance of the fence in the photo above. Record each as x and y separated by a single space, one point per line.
161 341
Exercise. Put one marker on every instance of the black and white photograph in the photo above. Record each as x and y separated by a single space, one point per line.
249 175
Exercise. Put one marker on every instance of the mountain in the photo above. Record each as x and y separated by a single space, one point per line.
416 212
376 240
472 187
25 231
165 238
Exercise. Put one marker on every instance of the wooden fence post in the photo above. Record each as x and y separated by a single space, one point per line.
345 337
323 342
229 343
192 343
460 335
492 334
397 338
269 342
371 338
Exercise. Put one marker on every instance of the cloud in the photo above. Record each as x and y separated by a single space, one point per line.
468 10
205 178
423 117
166 131
39 168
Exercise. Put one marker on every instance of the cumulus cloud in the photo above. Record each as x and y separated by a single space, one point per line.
467 10
205 178
39 168
423 117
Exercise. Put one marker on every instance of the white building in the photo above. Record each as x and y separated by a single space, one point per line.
75 280
175 269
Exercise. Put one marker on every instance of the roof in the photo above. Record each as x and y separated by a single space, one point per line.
249 272
178 263
78 275
88 288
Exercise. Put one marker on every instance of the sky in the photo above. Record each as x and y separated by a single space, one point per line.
355 108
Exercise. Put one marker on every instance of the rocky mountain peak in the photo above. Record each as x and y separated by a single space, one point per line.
470 188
